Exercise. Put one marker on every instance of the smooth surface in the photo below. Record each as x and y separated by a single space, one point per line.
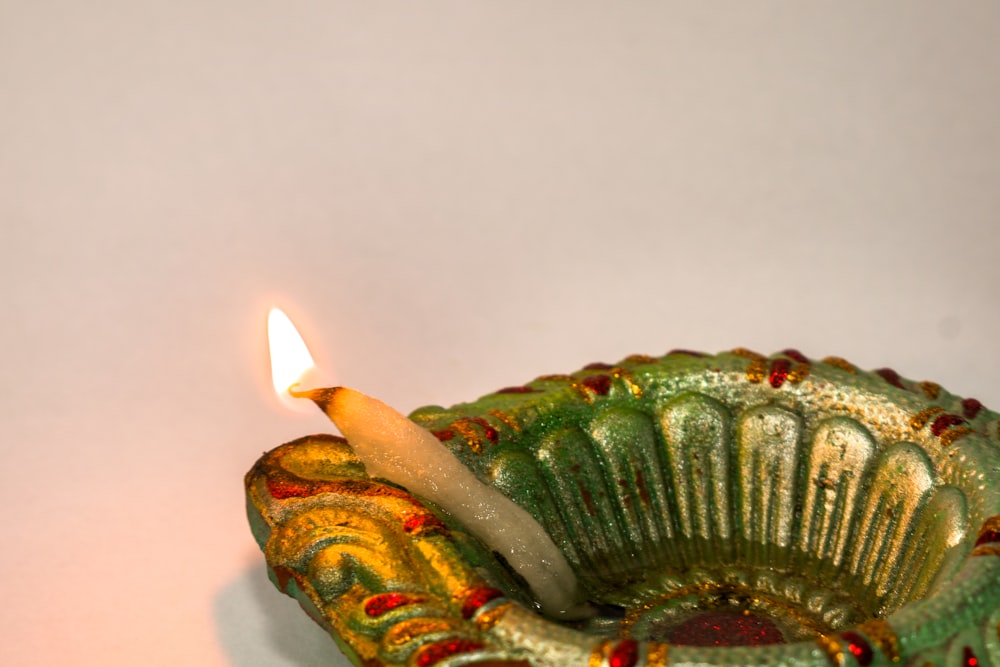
446 199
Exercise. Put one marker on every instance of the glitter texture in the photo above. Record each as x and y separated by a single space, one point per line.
741 509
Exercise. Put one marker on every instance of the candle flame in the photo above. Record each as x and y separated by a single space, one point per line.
290 358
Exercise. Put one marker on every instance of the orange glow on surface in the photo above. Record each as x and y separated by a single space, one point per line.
290 358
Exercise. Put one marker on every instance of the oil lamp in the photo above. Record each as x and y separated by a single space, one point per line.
735 509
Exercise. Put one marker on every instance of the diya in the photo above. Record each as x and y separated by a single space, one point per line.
734 509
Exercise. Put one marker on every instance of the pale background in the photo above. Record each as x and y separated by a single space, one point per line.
447 197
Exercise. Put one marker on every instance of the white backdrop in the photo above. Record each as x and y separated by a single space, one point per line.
447 197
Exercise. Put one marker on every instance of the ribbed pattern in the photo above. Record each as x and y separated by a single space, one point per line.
686 489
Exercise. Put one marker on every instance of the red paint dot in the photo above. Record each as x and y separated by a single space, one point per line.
424 524
515 390
491 433
792 353
779 372
477 599
690 353
945 422
443 434
588 499
382 603
435 653
640 484
858 647
598 366
971 408
282 484
987 536
890 376
723 628
969 658
281 489
283 575
624 654
599 384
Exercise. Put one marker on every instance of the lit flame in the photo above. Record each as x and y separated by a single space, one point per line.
290 358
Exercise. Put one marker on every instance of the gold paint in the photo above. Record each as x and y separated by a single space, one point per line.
884 636
831 648
657 655
931 389
585 393
487 619
337 458
757 370
331 568
293 541
341 552
986 550
953 434
626 376
842 364
469 434
798 372
406 631
599 654
554 378
991 525
506 419
441 561
919 420
748 354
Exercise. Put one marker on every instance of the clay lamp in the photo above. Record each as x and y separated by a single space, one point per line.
729 510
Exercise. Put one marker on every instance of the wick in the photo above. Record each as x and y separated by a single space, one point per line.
321 397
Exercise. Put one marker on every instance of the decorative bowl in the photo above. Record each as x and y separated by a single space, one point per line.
733 509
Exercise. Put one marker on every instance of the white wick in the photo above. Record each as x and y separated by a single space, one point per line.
395 448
